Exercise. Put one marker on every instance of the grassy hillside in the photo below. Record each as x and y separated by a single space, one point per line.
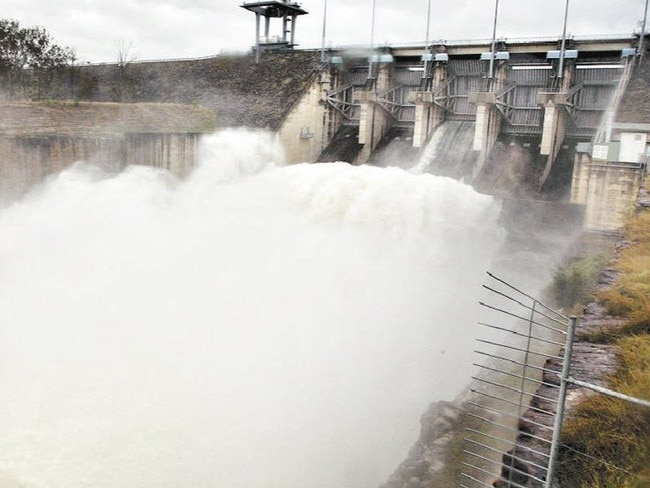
239 91
606 440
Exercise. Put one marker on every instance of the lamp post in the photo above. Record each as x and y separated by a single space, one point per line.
642 41
372 39
426 42
322 52
494 35
560 73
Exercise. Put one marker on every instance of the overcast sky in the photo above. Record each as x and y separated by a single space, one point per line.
157 29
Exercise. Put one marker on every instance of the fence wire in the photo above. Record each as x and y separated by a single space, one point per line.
519 392
515 391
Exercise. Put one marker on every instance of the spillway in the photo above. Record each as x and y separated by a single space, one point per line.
449 152
255 325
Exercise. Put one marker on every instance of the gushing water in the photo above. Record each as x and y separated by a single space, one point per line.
256 325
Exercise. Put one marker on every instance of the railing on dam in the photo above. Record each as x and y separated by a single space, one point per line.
419 44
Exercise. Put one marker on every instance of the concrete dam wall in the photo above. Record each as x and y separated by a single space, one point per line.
41 139
526 119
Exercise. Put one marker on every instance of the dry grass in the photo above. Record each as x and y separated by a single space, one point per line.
615 434
630 296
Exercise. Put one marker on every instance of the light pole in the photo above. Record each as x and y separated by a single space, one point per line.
372 39
563 48
642 41
322 53
494 35
426 42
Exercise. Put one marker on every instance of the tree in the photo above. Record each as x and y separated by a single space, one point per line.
125 59
29 59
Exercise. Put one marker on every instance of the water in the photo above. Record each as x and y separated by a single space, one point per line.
449 152
254 326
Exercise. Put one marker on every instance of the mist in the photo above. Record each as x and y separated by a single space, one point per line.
255 325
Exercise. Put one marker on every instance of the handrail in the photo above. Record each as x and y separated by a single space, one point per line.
337 99
511 40
444 85
500 93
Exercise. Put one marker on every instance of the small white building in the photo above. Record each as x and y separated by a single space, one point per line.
607 176
629 143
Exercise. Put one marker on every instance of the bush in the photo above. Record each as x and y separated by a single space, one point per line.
574 286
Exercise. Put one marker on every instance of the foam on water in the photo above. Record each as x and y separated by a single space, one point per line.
256 325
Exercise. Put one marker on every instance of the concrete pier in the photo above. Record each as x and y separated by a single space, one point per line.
553 129
428 113
374 119
487 128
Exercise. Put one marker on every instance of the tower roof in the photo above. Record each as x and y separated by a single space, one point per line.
274 8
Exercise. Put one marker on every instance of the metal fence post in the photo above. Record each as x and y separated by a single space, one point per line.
557 424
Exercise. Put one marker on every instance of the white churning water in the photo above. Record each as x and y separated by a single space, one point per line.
256 325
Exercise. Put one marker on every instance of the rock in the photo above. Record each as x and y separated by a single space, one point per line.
426 459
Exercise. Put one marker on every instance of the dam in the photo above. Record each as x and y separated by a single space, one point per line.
528 100
211 308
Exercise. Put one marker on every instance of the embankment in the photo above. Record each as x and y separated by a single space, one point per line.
239 91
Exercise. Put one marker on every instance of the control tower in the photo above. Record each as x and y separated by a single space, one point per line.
278 9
